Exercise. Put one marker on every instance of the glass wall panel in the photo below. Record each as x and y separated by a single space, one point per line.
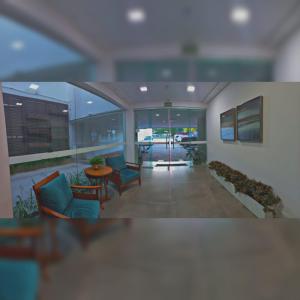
170 134
55 126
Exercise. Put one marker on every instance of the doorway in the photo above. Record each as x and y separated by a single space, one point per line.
170 136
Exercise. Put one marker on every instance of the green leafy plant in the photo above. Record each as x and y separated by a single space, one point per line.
259 191
26 207
97 160
197 155
77 178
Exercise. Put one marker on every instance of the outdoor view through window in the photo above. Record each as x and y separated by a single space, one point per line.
55 125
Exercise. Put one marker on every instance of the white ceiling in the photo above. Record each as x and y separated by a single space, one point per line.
173 21
159 92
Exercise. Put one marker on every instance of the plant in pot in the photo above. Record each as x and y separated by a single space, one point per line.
197 155
96 162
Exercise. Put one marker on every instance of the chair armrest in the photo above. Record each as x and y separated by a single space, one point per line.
88 187
116 172
53 213
133 166
22 232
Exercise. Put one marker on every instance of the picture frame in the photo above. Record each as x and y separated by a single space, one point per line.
228 125
249 122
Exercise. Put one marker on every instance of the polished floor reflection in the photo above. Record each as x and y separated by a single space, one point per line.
183 192
183 259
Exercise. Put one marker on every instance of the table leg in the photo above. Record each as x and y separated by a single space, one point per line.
107 198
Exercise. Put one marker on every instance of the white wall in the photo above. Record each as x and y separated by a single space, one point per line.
5 189
275 162
130 135
287 64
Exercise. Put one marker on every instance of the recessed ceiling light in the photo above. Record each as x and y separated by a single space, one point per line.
89 102
65 111
34 86
19 103
240 15
17 45
144 89
191 88
178 115
157 115
136 15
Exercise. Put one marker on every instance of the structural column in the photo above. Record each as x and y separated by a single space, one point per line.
130 136
5 186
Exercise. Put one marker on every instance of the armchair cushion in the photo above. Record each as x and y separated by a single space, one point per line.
88 209
116 162
128 175
19 279
57 194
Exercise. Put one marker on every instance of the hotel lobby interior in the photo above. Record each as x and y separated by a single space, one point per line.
211 150
149 150
195 150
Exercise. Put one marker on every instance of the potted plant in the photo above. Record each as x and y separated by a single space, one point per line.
96 162
197 155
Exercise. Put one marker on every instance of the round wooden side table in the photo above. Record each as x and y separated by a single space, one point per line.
102 175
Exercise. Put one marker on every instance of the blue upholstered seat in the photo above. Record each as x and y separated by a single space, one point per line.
124 173
19 280
78 208
58 196
128 175
116 162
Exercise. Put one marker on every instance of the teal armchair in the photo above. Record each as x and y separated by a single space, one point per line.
57 199
21 262
19 279
124 173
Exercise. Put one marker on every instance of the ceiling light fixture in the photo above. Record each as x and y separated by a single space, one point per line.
157 115
144 89
191 88
89 102
34 86
65 111
17 45
19 104
136 15
240 15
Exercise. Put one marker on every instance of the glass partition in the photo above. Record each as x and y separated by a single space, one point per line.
55 126
170 135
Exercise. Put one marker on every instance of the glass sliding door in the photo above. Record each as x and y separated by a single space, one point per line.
170 136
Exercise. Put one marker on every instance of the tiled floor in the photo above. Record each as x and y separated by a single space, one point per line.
160 152
183 192
183 259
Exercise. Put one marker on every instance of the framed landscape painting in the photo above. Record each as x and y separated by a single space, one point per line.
250 121
228 125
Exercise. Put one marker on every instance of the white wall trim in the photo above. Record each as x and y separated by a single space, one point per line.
48 155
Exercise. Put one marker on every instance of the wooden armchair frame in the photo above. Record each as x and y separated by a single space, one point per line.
115 177
97 195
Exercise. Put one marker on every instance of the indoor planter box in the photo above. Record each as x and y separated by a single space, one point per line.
256 208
